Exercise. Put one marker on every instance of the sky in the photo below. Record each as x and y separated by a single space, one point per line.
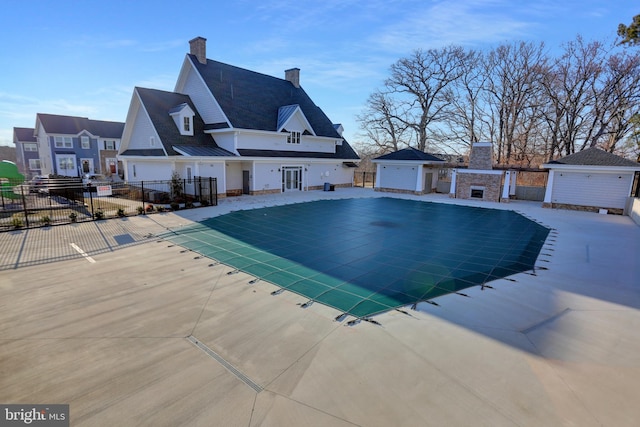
83 58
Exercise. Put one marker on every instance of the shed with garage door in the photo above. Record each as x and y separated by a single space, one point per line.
591 180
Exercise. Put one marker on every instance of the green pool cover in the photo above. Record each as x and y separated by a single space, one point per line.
366 256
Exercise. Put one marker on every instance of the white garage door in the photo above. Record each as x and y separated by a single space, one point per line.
604 190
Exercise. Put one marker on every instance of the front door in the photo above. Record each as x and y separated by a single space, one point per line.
245 182
292 178
86 165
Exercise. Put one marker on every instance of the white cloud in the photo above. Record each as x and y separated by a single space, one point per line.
443 23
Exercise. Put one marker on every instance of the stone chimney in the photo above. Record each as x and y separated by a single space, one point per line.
293 75
199 49
481 156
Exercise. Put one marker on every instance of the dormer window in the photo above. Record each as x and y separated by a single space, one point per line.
293 138
183 118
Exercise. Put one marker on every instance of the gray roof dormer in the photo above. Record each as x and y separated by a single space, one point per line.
183 118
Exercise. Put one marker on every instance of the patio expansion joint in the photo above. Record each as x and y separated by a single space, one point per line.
228 366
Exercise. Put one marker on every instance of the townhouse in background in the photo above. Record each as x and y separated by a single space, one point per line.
27 157
72 146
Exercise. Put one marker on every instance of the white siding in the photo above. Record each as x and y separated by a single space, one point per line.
266 177
399 177
316 174
201 96
274 141
234 176
142 131
44 152
214 170
605 190
149 170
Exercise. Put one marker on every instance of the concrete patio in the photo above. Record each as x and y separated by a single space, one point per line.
131 330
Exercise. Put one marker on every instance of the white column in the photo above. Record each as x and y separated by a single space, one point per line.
419 179
507 183
378 169
452 190
549 189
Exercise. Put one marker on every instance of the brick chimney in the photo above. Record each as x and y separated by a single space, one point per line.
481 156
199 49
293 75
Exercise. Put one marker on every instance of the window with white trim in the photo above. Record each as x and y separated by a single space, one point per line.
187 124
109 145
34 164
293 138
30 147
63 142
84 141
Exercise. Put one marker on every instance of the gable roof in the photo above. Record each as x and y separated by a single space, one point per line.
252 100
594 157
72 125
25 134
158 104
410 154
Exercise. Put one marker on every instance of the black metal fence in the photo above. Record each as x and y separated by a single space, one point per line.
67 200
364 179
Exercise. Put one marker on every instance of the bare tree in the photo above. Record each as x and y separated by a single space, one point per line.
569 89
421 83
616 97
465 121
381 125
531 106
514 74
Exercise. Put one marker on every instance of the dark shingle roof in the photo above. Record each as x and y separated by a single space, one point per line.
158 104
25 134
594 157
252 100
409 154
71 125
343 152
203 151
156 152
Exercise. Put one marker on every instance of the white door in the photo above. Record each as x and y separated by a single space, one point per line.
66 165
292 178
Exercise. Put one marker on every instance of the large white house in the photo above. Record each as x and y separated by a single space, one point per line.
255 133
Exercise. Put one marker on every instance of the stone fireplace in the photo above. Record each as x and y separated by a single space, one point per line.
479 181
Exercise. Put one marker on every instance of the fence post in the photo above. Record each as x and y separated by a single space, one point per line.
200 189
142 186
24 206
91 199
213 189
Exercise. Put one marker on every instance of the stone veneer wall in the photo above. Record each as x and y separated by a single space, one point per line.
613 211
481 156
492 184
399 191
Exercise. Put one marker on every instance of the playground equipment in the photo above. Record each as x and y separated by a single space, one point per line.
9 179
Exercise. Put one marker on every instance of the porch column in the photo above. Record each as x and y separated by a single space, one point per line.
505 189
452 190
549 189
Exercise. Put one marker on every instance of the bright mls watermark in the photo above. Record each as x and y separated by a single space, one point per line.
34 415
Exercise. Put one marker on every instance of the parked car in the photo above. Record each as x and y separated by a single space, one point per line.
94 180
39 184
